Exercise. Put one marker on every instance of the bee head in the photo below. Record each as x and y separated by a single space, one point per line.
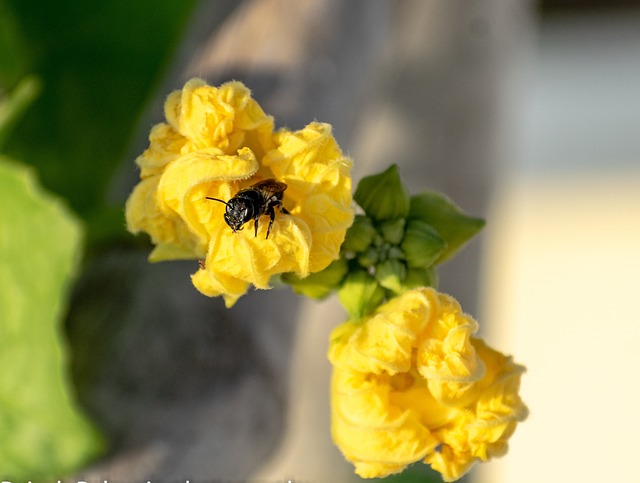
238 212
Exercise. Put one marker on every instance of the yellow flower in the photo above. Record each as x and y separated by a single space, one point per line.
411 383
216 142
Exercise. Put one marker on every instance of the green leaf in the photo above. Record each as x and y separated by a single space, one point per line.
42 432
451 223
360 294
383 196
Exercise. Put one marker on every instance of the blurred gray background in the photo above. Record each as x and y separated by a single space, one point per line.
469 98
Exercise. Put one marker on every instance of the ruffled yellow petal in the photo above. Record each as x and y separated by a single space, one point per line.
411 383
452 467
226 118
388 339
169 232
165 145
446 357
481 430
319 187
379 438
328 220
237 260
187 182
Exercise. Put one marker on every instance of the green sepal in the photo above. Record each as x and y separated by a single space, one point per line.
369 258
396 252
320 284
420 277
422 244
453 225
383 196
393 230
390 274
360 294
359 235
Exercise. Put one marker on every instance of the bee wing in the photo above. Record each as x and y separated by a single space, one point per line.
270 187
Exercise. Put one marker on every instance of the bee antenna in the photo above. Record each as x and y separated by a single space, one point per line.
216 199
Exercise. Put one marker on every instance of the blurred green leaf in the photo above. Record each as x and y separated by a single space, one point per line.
14 59
42 432
451 223
13 105
99 63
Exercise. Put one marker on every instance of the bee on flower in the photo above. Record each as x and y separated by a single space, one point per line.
215 143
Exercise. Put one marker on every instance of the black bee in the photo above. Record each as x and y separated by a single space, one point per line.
251 203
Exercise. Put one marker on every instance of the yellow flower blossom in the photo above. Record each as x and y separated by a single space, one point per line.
217 141
411 383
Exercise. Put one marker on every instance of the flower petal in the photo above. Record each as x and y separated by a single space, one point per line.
410 383
238 259
186 183
378 438
319 187
165 145
446 357
143 214
226 118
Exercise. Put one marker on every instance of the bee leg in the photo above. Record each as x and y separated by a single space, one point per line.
255 226
272 216
284 210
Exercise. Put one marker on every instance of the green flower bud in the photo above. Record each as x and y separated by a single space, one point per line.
359 235
420 277
422 244
390 274
454 226
320 284
383 196
369 258
360 294
393 230
396 252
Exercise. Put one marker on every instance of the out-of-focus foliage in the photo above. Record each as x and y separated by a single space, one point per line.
13 106
42 433
98 62
74 78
